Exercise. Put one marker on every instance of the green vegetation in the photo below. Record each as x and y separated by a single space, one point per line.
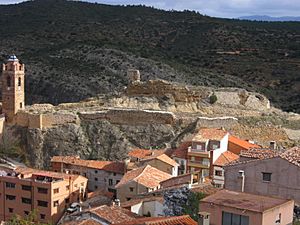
74 50
192 206
213 98
28 220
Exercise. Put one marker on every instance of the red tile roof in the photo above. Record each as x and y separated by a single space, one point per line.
242 143
244 201
259 153
145 153
164 158
182 150
114 214
148 176
205 134
175 220
116 167
226 158
82 222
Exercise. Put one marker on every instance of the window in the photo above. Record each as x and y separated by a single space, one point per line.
218 173
96 179
117 181
96 187
26 188
278 219
131 189
19 82
42 203
42 216
26 200
26 213
8 81
10 185
128 199
10 197
234 219
110 182
10 210
56 191
84 174
42 190
193 158
68 187
267 176
67 200
96 171
215 147
82 184
115 174
55 203
199 147
21 105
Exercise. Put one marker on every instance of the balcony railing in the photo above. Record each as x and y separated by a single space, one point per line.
190 149
204 163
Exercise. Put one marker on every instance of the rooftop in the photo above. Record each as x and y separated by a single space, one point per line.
164 158
175 220
148 176
114 214
142 199
226 158
205 134
145 153
182 150
259 153
244 201
116 167
242 143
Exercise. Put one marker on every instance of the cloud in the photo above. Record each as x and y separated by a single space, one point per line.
218 8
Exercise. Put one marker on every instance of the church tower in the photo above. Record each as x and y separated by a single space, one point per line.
13 94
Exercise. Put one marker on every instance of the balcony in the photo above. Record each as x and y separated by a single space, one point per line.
199 164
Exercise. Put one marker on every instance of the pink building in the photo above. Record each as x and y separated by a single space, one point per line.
238 208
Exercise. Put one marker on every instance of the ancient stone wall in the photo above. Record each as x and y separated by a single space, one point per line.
131 116
217 122
55 119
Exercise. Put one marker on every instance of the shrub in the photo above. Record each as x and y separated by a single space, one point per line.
213 98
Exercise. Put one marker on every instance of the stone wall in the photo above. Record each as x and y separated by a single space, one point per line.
130 116
217 122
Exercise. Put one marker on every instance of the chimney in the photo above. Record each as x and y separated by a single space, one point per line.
203 218
242 178
117 202
273 145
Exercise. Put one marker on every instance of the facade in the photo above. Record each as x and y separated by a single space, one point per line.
148 206
102 175
13 94
237 208
218 173
206 148
274 175
180 156
163 163
142 180
23 190
236 145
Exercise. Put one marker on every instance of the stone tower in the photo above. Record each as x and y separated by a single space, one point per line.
13 94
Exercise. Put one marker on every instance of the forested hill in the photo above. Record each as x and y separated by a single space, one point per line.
74 50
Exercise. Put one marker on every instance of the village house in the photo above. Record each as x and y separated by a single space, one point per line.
146 206
49 193
236 145
103 175
142 180
238 208
136 155
207 145
218 172
180 156
163 163
266 173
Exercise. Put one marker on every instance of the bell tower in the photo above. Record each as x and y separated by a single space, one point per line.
13 95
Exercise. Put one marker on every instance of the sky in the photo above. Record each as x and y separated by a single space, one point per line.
217 8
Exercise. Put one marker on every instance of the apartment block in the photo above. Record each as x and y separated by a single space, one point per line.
102 175
23 190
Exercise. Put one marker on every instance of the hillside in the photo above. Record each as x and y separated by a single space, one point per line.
75 50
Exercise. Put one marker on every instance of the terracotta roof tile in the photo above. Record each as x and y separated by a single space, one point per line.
205 134
182 150
259 153
142 199
148 176
244 201
175 220
226 158
242 143
83 222
114 214
145 153
116 167
164 158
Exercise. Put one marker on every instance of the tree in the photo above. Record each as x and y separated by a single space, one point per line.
192 206
30 219
213 98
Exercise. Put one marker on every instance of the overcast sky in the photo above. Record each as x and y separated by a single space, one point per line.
218 8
